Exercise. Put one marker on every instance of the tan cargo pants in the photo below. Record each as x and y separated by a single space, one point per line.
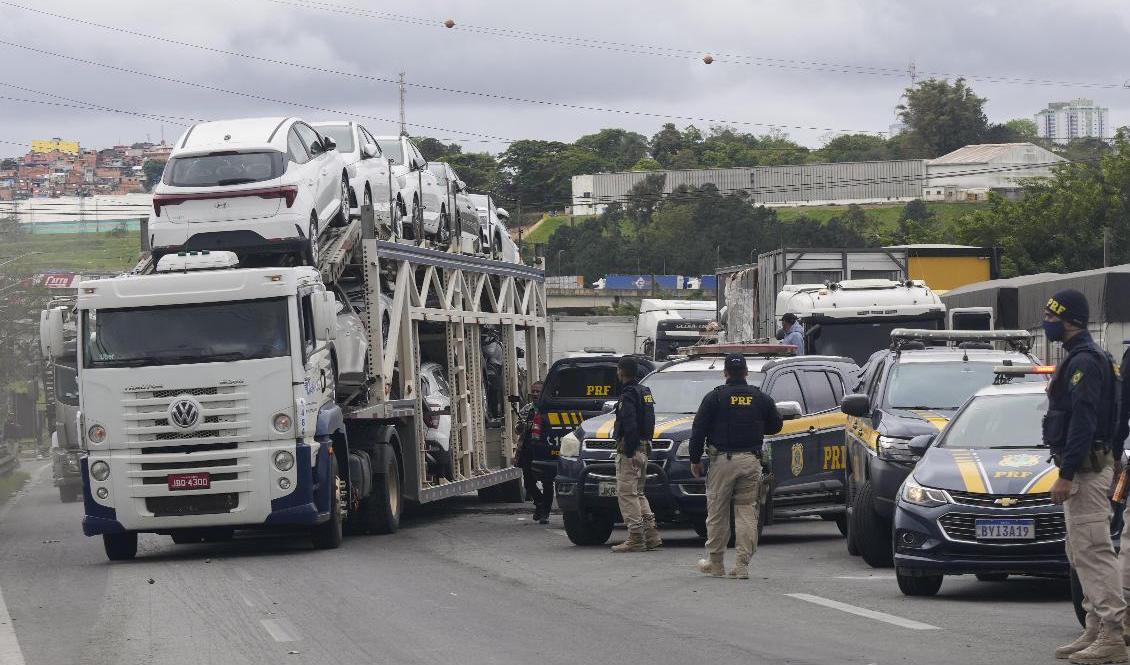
735 481
631 476
1087 512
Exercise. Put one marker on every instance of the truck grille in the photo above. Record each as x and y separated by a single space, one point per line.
1050 527
610 444
1012 500
224 411
192 504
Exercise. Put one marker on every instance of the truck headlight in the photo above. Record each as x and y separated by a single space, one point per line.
284 460
96 434
927 497
570 445
100 471
281 423
895 448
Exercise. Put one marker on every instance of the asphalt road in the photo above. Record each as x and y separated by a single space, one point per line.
464 582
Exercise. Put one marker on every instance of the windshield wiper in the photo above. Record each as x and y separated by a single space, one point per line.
235 181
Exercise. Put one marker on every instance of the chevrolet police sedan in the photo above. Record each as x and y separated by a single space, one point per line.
806 459
978 502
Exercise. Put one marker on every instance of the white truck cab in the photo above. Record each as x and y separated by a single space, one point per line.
666 326
206 399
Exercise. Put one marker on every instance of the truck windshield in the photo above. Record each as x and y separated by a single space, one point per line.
940 385
856 339
998 421
185 334
682 392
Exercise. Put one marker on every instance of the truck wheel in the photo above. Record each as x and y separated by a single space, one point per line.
380 511
842 524
120 546
918 585
1077 598
872 533
329 534
588 529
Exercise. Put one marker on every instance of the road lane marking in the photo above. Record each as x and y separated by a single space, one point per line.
863 612
10 653
277 631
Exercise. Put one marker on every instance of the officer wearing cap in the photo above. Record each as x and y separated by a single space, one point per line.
633 429
1079 428
733 418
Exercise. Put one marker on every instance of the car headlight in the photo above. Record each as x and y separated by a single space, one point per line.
895 448
570 445
683 451
283 460
100 471
927 497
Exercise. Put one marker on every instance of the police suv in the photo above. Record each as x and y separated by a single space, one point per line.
806 458
978 501
911 389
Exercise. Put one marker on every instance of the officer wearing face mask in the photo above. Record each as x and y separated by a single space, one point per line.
1079 429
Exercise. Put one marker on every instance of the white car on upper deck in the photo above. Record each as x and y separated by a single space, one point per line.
419 198
255 185
496 237
369 181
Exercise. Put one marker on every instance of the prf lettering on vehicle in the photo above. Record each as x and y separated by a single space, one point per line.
598 391
833 458
741 400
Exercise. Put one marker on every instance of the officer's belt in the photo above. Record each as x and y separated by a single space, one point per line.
714 452
1099 458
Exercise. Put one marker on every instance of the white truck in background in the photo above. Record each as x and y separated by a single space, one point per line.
214 398
587 335
663 327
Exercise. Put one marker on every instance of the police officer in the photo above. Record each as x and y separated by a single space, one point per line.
734 419
635 425
1079 428
528 452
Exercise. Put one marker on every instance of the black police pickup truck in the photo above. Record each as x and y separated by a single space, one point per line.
806 458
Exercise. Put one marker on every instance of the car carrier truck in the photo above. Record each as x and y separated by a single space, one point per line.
215 398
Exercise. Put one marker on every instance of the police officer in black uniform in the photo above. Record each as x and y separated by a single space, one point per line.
733 418
1079 428
633 430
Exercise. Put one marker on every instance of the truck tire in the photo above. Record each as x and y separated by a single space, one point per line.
380 511
841 524
918 585
329 534
1077 598
511 491
872 533
588 529
120 546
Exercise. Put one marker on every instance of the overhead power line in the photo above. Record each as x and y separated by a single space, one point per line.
436 88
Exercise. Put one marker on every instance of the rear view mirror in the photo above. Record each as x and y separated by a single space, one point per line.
858 405
919 444
324 305
789 410
51 332
608 406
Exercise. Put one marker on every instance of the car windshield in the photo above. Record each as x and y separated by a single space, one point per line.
224 168
588 381
998 421
682 392
391 150
939 385
341 134
856 340
185 334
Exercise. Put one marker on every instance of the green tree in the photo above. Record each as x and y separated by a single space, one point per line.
619 148
480 171
152 170
530 165
434 149
917 224
646 164
665 144
854 148
8 164
643 199
1023 129
1084 150
943 116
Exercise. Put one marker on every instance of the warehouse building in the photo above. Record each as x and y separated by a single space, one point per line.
967 174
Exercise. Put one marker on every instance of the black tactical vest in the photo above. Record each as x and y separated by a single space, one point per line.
740 425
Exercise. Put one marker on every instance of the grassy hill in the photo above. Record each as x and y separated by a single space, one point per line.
73 252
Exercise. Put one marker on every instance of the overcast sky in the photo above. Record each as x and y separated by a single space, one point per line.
643 57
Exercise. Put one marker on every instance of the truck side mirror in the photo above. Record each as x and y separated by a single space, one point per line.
858 405
789 410
51 332
324 305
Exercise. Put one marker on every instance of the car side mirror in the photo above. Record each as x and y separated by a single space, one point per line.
418 164
368 151
329 144
789 410
324 307
858 405
51 332
460 186
608 406
919 444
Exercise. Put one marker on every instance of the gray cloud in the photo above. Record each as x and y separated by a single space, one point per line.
1037 39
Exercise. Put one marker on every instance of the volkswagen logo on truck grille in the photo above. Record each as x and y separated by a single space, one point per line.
184 413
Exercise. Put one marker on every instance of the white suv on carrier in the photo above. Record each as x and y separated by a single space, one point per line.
252 186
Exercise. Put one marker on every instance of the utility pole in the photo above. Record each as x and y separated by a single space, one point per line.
403 125
912 72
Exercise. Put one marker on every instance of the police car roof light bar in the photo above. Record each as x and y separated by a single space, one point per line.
1021 339
1023 370
744 349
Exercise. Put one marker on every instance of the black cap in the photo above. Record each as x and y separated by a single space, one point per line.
735 362
1070 305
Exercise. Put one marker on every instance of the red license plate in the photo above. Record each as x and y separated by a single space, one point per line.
190 481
